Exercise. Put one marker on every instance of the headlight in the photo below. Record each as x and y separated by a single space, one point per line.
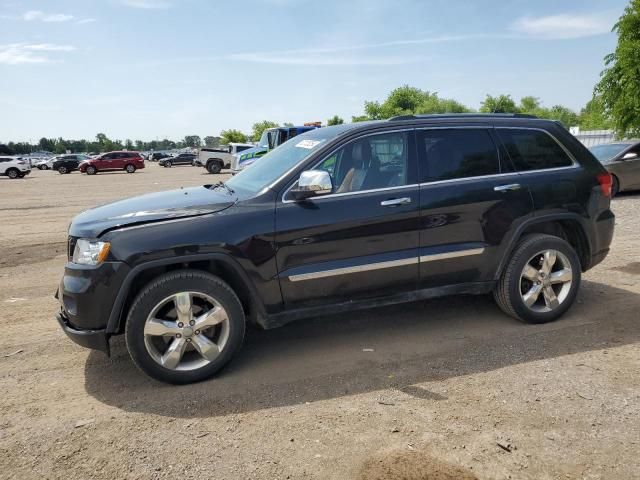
88 252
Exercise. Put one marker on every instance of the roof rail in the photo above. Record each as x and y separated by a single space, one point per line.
461 115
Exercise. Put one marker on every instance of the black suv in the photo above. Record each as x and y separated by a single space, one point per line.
342 217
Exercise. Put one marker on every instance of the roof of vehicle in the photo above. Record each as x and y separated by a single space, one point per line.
241 144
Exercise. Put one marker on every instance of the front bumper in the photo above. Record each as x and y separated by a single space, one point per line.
94 339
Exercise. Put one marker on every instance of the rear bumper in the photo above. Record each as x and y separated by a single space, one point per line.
603 235
94 339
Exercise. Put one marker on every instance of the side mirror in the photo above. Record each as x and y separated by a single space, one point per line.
312 183
630 156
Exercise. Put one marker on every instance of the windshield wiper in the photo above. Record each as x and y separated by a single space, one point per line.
222 184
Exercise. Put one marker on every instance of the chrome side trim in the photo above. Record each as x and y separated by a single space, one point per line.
345 194
447 255
355 269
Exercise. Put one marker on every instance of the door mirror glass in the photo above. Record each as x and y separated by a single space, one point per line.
312 183
630 156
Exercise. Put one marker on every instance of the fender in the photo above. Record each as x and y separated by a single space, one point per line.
512 241
115 318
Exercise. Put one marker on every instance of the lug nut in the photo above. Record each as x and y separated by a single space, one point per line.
188 340
178 335
197 332
192 323
180 324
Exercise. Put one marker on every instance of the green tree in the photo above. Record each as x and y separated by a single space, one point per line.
499 104
359 118
619 85
260 127
530 105
192 141
335 120
211 141
232 136
594 117
47 144
408 100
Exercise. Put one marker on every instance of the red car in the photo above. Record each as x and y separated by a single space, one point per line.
127 161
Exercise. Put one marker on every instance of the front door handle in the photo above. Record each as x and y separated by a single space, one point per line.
394 202
507 188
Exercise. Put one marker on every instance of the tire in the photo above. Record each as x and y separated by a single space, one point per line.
91 170
42 167
514 284
214 166
156 301
167 164
13 173
62 170
615 186
130 168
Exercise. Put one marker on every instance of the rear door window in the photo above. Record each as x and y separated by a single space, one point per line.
448 154
533 149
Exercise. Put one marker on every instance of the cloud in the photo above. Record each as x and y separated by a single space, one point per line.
40 16
285 58
86 20
20 53
148 4
565 26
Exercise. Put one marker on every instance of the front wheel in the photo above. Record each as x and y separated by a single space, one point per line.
167 164
130 168
541 280
91 170
184 326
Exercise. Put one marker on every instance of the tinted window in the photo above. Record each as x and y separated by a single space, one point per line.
457 153
369 163
241 148
533 149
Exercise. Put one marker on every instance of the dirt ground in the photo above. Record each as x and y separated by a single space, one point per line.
443 389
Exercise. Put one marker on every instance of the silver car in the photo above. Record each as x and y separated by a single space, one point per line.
622 160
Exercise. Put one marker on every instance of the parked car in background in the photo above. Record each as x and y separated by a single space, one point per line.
181 159
156 156
269 140
215 159
127 161
68 163
622 160
14 167
343 217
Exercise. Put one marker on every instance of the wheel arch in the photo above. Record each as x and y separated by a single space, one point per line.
221 265
569 227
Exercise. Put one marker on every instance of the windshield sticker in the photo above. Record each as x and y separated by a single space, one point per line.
308 144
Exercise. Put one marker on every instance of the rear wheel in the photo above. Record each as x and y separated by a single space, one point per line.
541 280
13 173
615 186
42 167
91 170
184 326
62 170
214 166
130 168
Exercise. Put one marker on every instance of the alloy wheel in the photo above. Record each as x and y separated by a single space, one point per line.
186 331
545 281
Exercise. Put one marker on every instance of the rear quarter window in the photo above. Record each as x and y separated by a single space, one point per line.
533 149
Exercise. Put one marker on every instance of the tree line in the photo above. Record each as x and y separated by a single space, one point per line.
615 105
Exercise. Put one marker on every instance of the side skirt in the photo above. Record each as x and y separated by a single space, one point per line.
279 319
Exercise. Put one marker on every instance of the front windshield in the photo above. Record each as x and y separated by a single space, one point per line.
607 152
278 161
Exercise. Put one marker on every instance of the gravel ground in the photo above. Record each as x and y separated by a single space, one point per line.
441 389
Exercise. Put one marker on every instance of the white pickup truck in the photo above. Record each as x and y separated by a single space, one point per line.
215 159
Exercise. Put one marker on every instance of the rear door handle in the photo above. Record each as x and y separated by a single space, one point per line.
507 188
394 202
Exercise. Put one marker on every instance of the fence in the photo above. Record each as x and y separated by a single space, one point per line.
591 138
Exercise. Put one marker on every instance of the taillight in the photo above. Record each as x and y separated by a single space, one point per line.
606 182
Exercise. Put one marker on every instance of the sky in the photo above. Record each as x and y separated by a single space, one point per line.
153 69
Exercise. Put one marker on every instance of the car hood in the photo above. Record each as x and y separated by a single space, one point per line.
152 207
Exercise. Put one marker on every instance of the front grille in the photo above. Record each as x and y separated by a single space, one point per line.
71 246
